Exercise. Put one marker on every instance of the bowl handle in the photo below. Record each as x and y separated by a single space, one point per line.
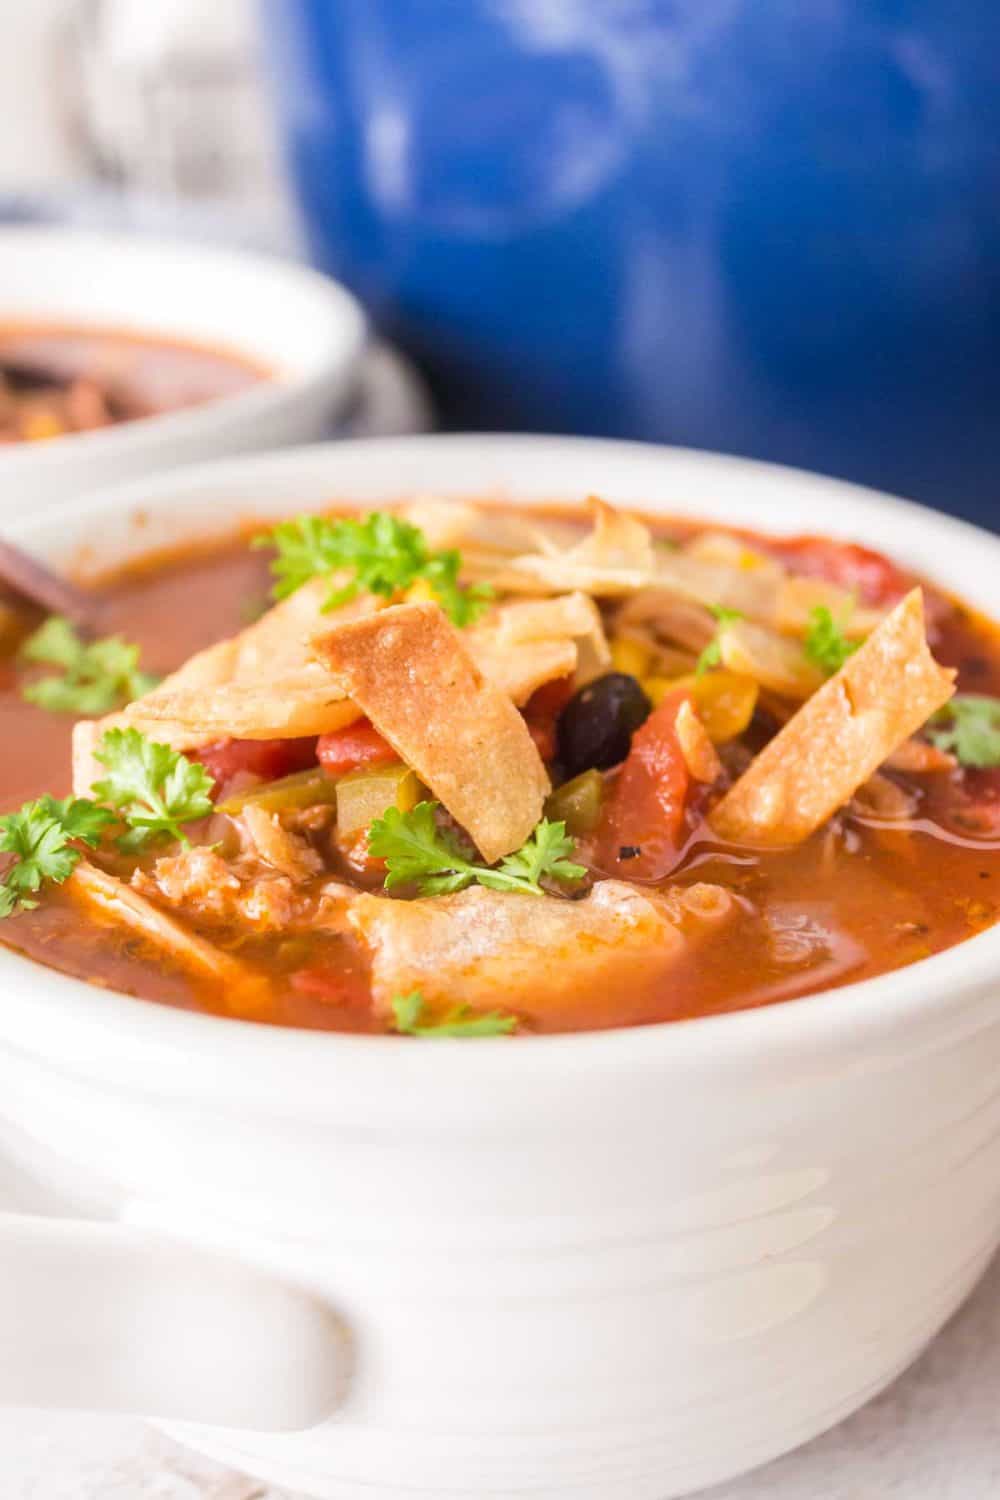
107 1317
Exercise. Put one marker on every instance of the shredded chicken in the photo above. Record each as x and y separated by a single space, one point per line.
109 899
274 845
198 883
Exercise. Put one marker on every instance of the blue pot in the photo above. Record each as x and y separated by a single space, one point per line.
764 226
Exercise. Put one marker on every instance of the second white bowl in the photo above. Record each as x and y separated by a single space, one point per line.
302 326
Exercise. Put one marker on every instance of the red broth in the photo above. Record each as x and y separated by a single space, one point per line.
856 900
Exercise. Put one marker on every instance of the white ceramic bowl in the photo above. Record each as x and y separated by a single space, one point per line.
616 1266
307 329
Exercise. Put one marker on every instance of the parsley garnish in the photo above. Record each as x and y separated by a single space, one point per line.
408 1011
152 788
94 679
825 644
39 836
712 654
970 729
418 853
387 555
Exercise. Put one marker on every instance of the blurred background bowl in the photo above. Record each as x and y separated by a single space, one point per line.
296 323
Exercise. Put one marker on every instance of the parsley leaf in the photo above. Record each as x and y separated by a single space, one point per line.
418 853
307 547
463 606
408 1011
544 854
39 835
153 788
712 654
94 679
825 644
387 556
970 728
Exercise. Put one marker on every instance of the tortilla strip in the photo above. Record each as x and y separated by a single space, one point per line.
616 558
116 902
86 769
797 598
444 523
521 646
275 709
531 954
619 558
262 684
715 583
775 661
840 736
410 672
733 552
484 532
519 670
668 617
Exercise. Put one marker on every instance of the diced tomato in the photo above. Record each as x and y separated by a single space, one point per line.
644 823
544 736
550 699
267 759
873 578
351 748
541 714
341 987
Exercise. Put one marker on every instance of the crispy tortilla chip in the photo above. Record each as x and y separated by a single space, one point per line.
444 523
519 670
919 755
262 684
203 671
839 737
117 903
715 583
774 661
484 532
733 552
531 954
667 617
616 558
409 671
276 709
521 646
86 770
797 598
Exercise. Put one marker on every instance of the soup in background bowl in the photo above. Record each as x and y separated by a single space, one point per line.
99 329
56 381
614 1264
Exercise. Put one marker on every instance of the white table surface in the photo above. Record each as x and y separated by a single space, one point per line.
934 1436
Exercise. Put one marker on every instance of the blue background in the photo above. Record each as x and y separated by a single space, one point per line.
761 226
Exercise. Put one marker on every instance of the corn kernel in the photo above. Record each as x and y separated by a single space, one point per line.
40 425
629 657
657 688
725 702
420 592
